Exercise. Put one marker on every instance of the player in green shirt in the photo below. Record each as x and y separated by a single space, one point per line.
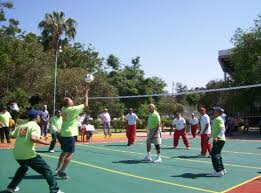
68 132
55 128
24 152
219 139
4 124
154 133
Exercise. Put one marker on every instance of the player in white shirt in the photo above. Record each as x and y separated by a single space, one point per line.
106 121
179 124
130 124
193 122
205 132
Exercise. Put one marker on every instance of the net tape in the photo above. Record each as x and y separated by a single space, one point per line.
178 93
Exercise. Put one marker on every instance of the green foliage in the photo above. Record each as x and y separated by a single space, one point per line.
246 55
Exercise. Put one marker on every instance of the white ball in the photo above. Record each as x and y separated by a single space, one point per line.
88 78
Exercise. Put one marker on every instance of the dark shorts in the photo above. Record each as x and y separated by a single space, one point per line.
67 144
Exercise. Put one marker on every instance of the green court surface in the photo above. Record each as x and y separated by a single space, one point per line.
116 168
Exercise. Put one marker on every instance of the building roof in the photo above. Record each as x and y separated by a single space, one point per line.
224 58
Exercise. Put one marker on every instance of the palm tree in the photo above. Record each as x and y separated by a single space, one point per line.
56 31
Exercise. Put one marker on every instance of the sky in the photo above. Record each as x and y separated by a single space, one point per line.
177 40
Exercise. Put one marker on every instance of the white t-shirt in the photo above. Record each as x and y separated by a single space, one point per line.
179 124
132 119
106 118
193 121
88 127
204 119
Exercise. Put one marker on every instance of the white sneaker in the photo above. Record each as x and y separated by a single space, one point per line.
175 147
188 148
225 171
216 174
51 151
158 160
147 158
12 190
56 172
59 191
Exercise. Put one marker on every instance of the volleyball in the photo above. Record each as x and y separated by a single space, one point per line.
88 78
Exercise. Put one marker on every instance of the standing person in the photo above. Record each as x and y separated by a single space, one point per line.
219 139
246 125
55 128
131 121
14 110
69 130
5 118
179 127
205 132
154 133
260 127
45 120
193 122
106 121
24 152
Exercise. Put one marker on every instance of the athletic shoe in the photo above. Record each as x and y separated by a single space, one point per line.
188 148
56 172
224 171
51 151
10 190
59 191
147 158
216 174
175 147
157 160
62 175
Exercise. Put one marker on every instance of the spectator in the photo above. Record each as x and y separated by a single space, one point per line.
45 121
246 125
106 121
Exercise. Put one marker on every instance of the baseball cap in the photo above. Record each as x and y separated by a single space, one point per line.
192 113
32 114
217 109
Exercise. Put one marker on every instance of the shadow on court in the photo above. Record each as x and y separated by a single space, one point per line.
192 176
191 157
31 177
132 162
42 151
116 145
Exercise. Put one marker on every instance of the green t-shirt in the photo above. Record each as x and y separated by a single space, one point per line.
153 120
5 118
70 123
217 127
24 148
56 124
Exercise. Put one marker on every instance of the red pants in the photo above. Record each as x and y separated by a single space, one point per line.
131 134
194 130
205 144
181 133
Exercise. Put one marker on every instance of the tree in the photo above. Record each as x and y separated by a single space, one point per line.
57 30
246 55
113 62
